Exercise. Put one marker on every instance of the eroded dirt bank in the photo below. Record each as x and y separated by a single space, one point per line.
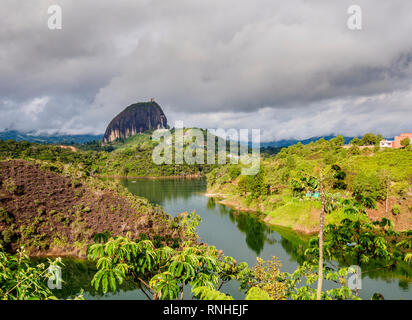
51 213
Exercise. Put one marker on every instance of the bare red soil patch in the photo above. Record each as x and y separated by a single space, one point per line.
69 148
51 213
402 221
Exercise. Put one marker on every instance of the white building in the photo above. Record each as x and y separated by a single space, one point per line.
386 144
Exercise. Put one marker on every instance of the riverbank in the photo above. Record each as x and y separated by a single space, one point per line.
64 252
303 223
222 199
302 215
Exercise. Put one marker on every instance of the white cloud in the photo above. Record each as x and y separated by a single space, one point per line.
34 107
291 68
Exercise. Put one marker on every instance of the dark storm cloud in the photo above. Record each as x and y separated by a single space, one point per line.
291 68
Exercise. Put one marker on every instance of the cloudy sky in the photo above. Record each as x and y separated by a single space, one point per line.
291 68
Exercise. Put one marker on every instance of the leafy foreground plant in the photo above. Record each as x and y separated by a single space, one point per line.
163 273
359 242
19 280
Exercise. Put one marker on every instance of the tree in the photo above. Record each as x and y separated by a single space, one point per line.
234 172
379 138
369 139
369 185
356 141
161 271
327 205
354 149
339 177
352 237
255 184
386 176
338 141
265 276
405 142
266 282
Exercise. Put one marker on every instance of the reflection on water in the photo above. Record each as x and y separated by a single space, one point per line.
240 235
237 233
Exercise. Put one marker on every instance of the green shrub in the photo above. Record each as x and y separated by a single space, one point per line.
23 280
225 179
256 184
157 240
400 188
242 185
396 209
143 236
7 237
356 141
354 150
234 172
10 185
405 142
369 185
5 216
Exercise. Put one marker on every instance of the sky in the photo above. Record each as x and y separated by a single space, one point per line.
292 69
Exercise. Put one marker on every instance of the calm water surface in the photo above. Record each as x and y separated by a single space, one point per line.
238 234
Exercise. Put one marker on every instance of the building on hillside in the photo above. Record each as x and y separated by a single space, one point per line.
397 140
396 143
386 143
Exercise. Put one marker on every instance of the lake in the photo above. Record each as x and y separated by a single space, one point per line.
239 234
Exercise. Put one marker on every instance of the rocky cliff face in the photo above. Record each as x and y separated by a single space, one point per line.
136 118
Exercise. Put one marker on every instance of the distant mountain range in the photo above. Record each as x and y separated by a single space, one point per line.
80 139
287 143
46 139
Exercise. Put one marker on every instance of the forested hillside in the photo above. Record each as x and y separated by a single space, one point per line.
130 157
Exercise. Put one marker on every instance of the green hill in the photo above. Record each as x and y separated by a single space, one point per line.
129 157
385 175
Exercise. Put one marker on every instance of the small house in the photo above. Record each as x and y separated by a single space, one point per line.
386 143
398 139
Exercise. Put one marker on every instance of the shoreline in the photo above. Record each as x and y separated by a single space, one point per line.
401 222
69 251
230 203
236 205
80 253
